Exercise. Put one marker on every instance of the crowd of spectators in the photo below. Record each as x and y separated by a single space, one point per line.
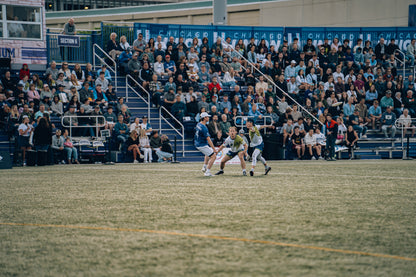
357 83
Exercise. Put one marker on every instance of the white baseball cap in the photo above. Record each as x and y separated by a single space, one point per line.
204 114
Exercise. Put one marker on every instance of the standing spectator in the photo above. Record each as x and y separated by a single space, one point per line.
156 90
25 129
145 146
388 120
380 50
332 131
411 52
121 131
69 30
42 136
179 109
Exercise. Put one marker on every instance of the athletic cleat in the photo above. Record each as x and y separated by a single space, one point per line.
220 172
204 169
244 173
208 174
267 170
251 172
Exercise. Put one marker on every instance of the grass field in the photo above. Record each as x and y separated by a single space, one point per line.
307 218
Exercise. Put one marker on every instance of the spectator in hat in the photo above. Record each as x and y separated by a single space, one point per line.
134 66
99 96
169 66
110 118
386 101
290 71
70 118
388 120
123 60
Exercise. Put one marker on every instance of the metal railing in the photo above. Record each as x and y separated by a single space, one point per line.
404 125
181 134
95 47
148 101
401 61
97 124
81 54
271 81
244 118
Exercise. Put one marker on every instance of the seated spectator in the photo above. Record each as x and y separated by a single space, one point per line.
298 143
79 73
155 142
134 66
314 148
8 82
90 72
135 126
145 125
159 51
287 131
113 47
255 113
386 101
56 107
52 70
145 75
133 145
125 113
24 71
121 131
33 94
99 96
158 67
111 95
70 118
107 74
388 120
71 151
58 147
371 95
179 109
156 90
86 93
102 81
357 124
351 139
165 153
169 99
406 122
374 113
192 107
214 126
110 118
224 125
169 66
123 61
215 84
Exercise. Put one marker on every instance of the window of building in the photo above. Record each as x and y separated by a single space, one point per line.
20 22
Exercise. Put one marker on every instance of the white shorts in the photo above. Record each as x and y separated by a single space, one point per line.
206 150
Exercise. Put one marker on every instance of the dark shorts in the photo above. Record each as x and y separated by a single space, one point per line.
232 154
24 141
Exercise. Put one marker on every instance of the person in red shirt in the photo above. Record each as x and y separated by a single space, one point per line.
214 83
24 71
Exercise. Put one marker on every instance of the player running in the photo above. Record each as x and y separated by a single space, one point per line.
238 147
203 143
256 141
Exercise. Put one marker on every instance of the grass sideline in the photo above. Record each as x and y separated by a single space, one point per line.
364 206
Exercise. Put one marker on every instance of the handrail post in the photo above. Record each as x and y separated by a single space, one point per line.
127 90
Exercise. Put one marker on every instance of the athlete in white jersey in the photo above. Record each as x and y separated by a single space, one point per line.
256 141
237 147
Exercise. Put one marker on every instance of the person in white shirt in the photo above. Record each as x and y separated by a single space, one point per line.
405 121
158 66
25 130
312 145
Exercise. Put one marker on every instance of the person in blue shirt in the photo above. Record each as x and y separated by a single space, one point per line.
123 60
107 74
203 143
